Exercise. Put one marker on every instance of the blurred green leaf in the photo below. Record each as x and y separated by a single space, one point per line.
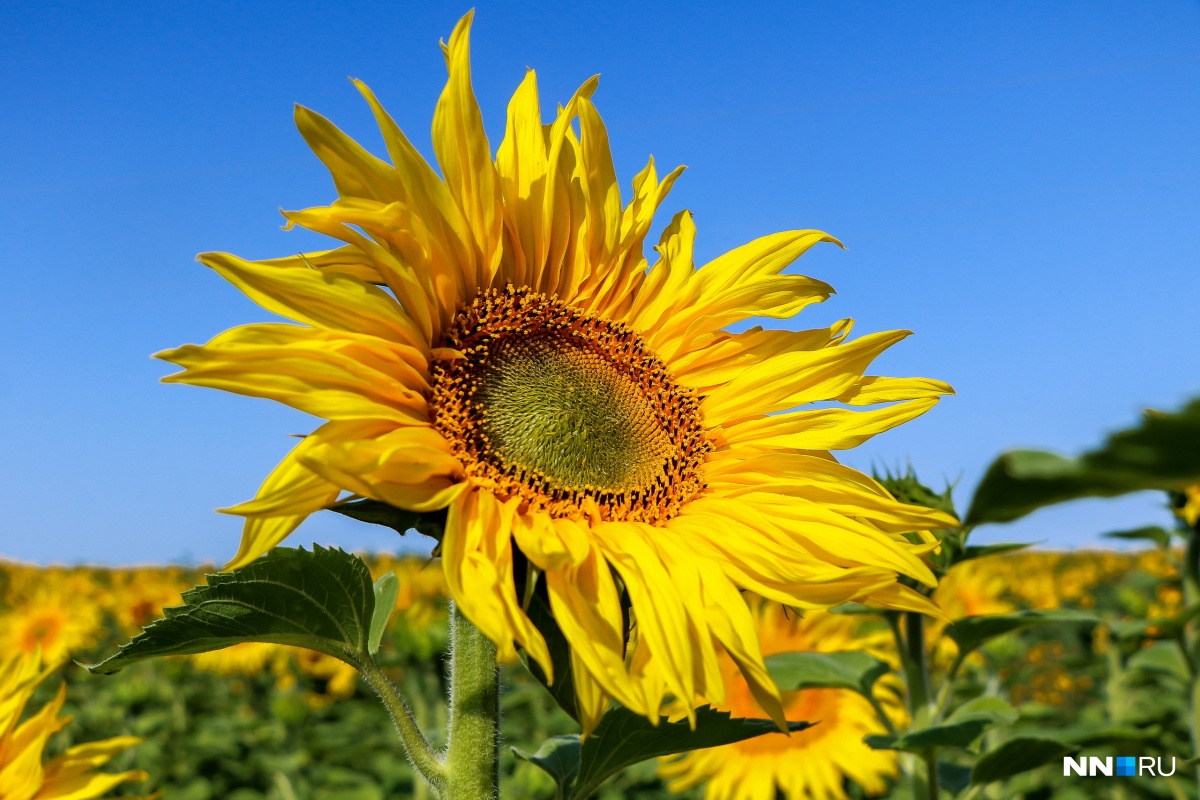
386 590
623 738
322 600
960 729
983 551
431 523
1151 533
1163 452
953 777
1162 628
1163 658
853 670
1095 735
947 734
559 757
996 709
971 632
1019 754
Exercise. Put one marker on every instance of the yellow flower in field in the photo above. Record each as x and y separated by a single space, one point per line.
971 589
247 658
137 597
52 621
70 776
808 765
1189 511
339 678
495 343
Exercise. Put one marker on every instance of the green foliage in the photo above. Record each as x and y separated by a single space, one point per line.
1163 452
365 510
558 757
1151 533
386 590
1019 754
855 670
322 600
970 633
624 738
947 734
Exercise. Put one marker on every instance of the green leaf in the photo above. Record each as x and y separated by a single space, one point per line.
1164 628
386 590
983 551
1151 533
1163 452
996 709
563 688
971 632
947 734
321 600
960 729
850 670
1092 735
401 521
1019 754
1159 659
624 738
953 777
558 757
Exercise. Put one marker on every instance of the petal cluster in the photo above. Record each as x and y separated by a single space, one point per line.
70 776
774 511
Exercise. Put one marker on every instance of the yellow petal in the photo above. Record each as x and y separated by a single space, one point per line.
587 607
521 163
348 260
792 379
317 297
719 358
21 775
446 235
823 429
660 613
462 150
872 389
306 370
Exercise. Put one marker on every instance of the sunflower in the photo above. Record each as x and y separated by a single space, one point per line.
70 776
1188 504
811 764
50 620
493 342
245 659
972 588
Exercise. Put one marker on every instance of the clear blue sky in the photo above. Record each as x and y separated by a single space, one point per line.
1018 183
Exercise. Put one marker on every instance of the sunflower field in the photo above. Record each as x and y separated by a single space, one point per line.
646 572
1087 661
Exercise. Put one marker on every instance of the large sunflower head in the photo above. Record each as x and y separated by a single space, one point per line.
812 764
491 340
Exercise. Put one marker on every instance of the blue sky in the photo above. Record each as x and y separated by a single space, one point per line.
1017 183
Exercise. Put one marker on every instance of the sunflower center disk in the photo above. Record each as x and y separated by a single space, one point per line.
563 410
566 410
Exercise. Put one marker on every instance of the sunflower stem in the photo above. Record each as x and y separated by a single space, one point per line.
473 752
420 753
910 643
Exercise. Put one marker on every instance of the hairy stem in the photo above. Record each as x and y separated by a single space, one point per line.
473 753
420 753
